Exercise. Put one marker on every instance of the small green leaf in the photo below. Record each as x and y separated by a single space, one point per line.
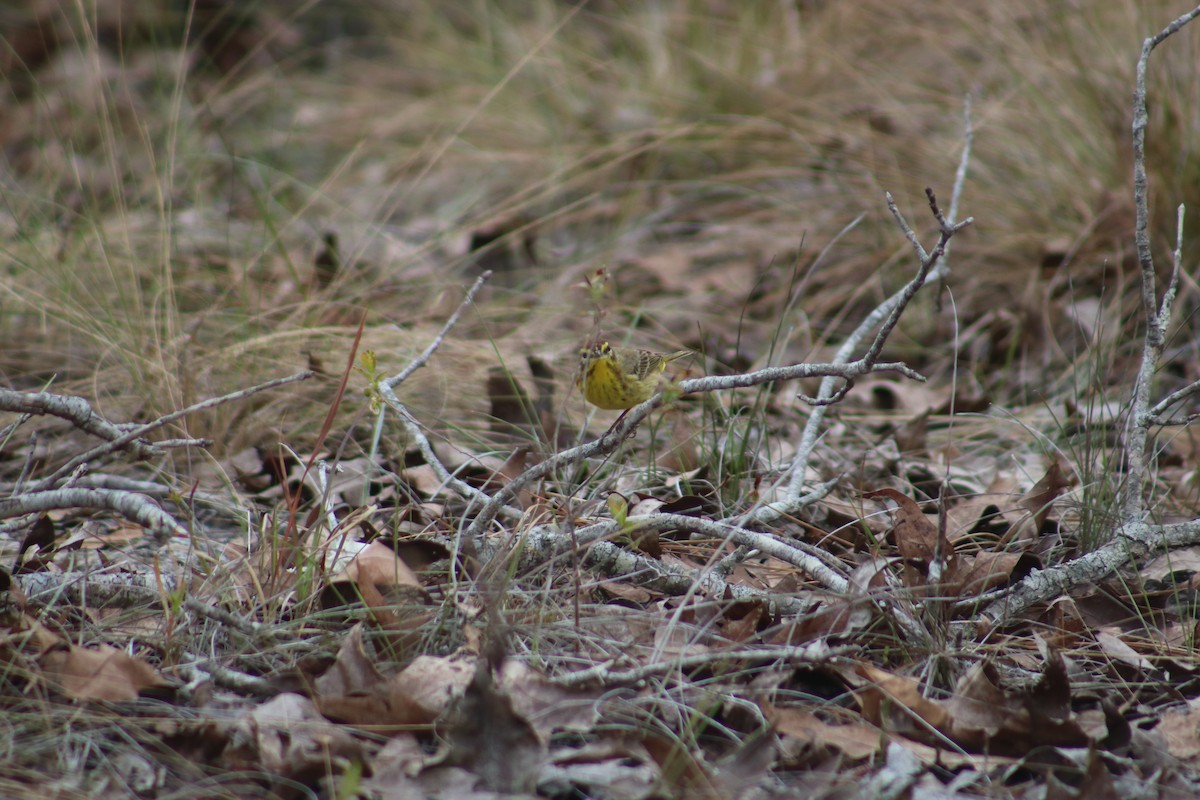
618 506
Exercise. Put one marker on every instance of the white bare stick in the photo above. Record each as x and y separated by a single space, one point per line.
201 669
885 317
387 392
1157 413
542 547
133 435
1134 538
813 566
420 360
932 267
1130 544
447 478
75 410
888 310
847 371
818 652
121 590
131 590
133 507
1157 315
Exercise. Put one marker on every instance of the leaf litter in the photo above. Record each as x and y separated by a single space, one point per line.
354 644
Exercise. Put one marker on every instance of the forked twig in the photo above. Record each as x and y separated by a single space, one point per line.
1134 537
54 492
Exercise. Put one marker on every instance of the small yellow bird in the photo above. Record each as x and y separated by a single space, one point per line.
619 378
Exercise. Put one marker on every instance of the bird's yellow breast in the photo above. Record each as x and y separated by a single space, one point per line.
606 385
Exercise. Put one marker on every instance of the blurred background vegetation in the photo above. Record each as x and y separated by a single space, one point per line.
173 172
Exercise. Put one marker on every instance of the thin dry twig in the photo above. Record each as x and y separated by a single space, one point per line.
448 479
932 267
54 492
135 434
119 590
200 669
813 566
1134 538
817 652
133 507
428 352
387 393
541 547
131 590
78 412
1156 414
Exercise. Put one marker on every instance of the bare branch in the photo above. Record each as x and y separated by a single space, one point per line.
1134 537
203 669
905 296
1157 316
815 567
1141 235
78 412
421 359
847 371
1131 544
387 392
960 175
52 492
544 547
1174 398
131 590
606 675
931 267
136 433
122 590
460 486
133 507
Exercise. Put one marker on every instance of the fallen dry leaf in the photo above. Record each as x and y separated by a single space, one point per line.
923 547
979 716
415 696
100 673
975 574
839 615
636 596
488 737
548 707
377 565
352 671
287 736
681 770
1037 503
855 740
1181 729
395 767
1113 646
895 702
382 580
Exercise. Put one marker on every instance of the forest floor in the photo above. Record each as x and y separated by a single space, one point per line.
301 498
